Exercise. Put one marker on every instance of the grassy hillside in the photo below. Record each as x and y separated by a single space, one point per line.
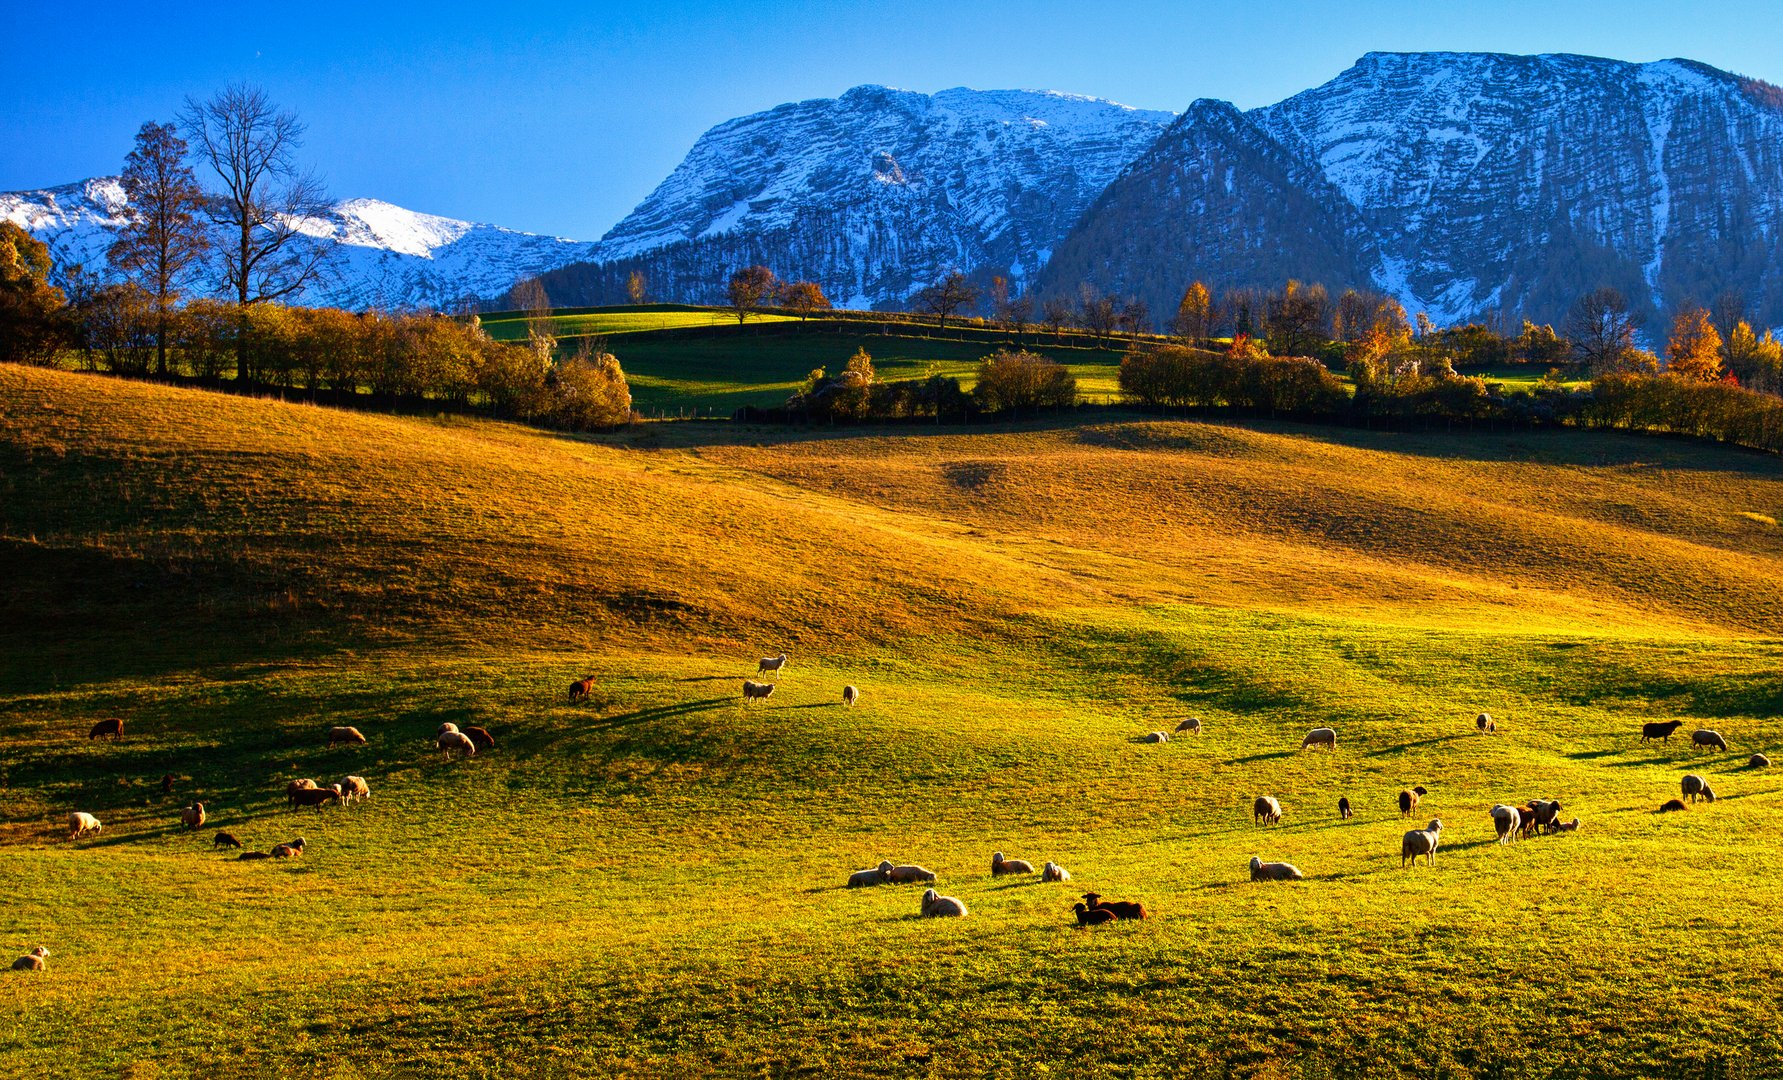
650 882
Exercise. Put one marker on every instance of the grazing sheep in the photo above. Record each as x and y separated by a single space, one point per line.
166 783
1708 793
1320 736
1547 811
1661 731
863 878
1408 800
344 735
850 695
1692 786
1526 816
114 728
247 855
1705 737
315 797
1266 811
1157 737
934 904
225 839
481 737
445 727
1486 724
1343 808
581 688
353 787
290 850
1192 725
1672 804
1052 871
31 961
907 874
1122 909
1758 761
1508 820
459 741
192 817
754 691
1274 871
80 825
296 786
1001 866
1421 842
1564 826
771 663
1089 916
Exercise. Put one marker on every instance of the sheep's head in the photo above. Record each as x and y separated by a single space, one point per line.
885 866
1435 825
40 952
1419 791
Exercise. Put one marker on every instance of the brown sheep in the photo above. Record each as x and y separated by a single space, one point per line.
1758 761
296 786
167 784
114 728
348 735
1705 737
1661 731
31 961
1123 909
316 797
1266 811
192 817
1408 800
481 737
225 839
581 688
1343 808
290 850
1671 805
1088 916
1001 866
755 691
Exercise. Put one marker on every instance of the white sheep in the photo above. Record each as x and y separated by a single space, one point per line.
1706 737
871 876
192 817
31 961
445 727
1192 725
457 740
1052 871
354 787
1274 871
1507 820
934 904
771 663
1486 724
850 695
1157 737
1420 842
1564 826
80 825
1693 787
1267 810
1320 736
1001 866
907 874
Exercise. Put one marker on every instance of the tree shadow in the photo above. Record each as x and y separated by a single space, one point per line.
659 712
712 678
815 705
1403 747
1643 761
1593 755
1271 756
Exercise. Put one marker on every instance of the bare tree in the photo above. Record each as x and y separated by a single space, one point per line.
1136 316
529 295
947 296
1097 313
1602 331
161 240
1055 312
252 146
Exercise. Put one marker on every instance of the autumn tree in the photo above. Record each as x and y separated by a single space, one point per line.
946 296
1602 332
587 392
1194 314
749 289
1296 318
1757 362
529 295
33 323
804 297
1694 350
1023 380
161 239
636 287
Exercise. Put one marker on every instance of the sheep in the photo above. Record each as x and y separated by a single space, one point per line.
225 839
771 663
1708 793
192 817
1122 909
1052 871
1706 737
1274 871
290 850
114 728
344 735
1320 736
353 787
1758 761
1421 842
296 786
445 727
581 688
1001 866
31 961
1408 801
80 825
247 855
481 737
863 878
907 874
1485 724
1672 804
316 797
457 740
1692 786
1266 811
934 904
850 695
1507 820
754 691
1157 737
1192 725
1526 819
1088 916
1564 826
1661 731
1343 808
166 783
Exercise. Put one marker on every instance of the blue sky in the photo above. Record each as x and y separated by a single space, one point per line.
560 117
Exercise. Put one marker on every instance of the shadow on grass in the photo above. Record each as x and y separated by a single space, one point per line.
1643 761
816 705
1593 755
1432 741
644 716
1272 756
712 678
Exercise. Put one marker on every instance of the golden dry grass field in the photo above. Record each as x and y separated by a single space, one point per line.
650 882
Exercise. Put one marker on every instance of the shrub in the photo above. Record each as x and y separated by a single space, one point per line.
586 392
1022 380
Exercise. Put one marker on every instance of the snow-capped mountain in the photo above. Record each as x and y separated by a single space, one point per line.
385 256
873 194
1480 182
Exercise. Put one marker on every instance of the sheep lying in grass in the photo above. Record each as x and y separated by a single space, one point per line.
1564 826
934 904
1420 842
353 787
850 695
80 825
456 741
1693 786
771 664
1052 871
1320 736
1485 724
349 735
1001 866
31 961
1274 871
316 797
1671 805
1266 811
1122 909
1157 737
755 691
871 876
480 738
1662 730
1706 737
1088 916
289 850
1758 761
1508 821
192 817
1408 801
1192 725
114 728
225 839
908 874
1343 808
